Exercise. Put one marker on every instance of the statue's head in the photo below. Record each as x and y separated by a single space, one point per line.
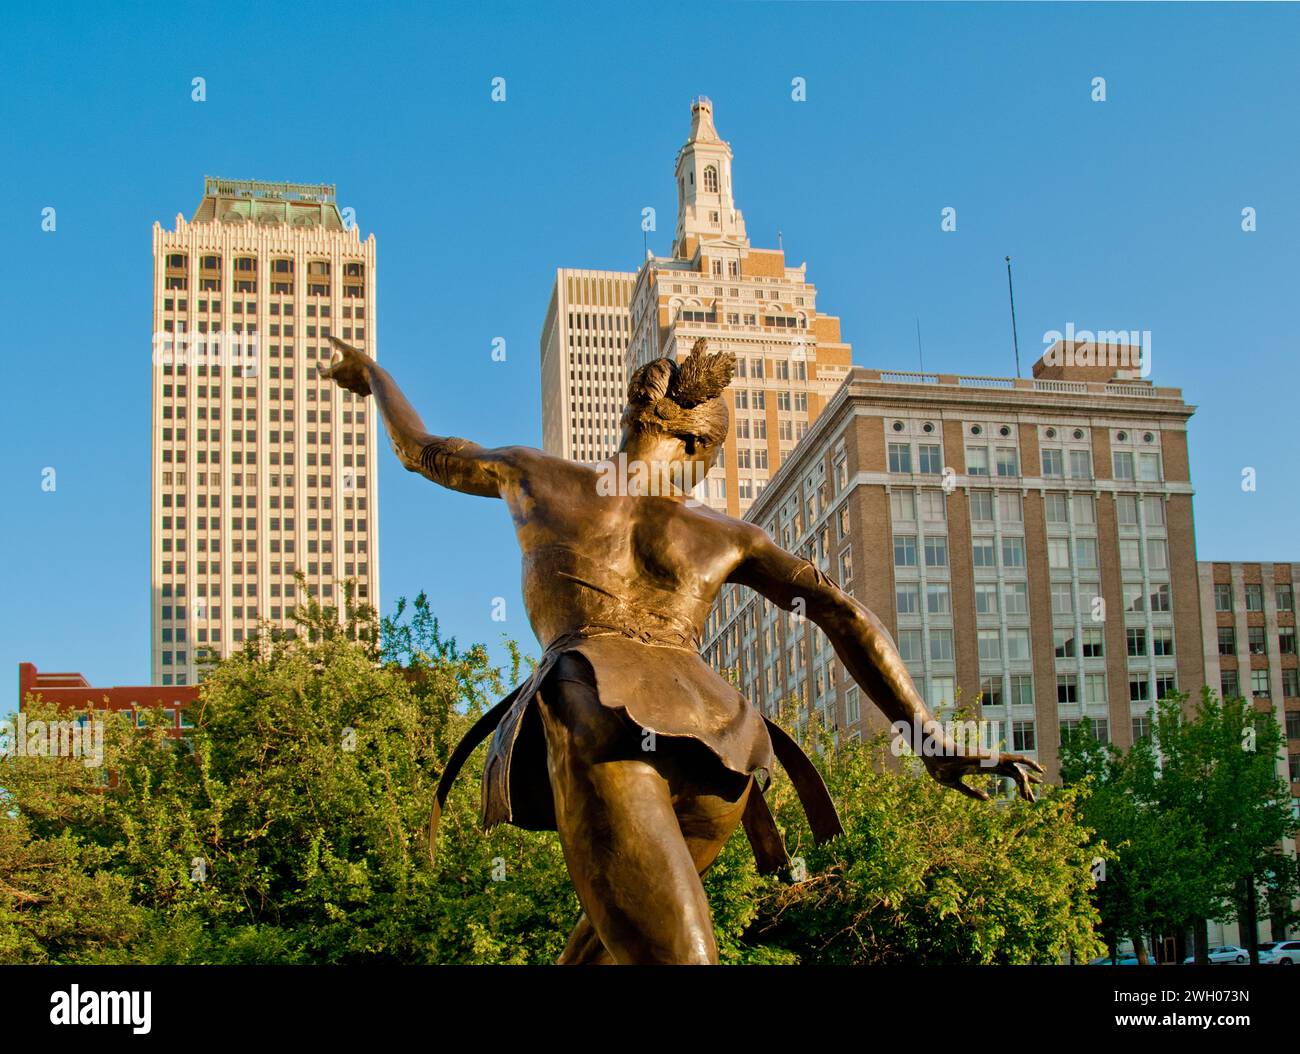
675 411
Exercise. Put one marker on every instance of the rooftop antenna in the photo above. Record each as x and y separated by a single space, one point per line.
780 241
1015 339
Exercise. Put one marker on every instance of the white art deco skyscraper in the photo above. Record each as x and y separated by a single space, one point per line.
261 468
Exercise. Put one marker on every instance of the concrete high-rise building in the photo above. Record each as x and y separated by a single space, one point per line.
789 356
261 468
584 362
1026 541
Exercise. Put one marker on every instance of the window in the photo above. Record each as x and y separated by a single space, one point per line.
1009 510
1085 552
1007 462
1094 688
852 705
1093 648
1255 640
1062 598
1123 464
1017 644
1227 640
1229 685
1085 510
902 505
1259 684
1022 690
909 645
1016 597
1139 690
710 180
941 645
1290 682
1158 555
1223 596
1166 685
1058 554
931 458
908 599
1286 640
1293 724
1013 552
1141 728
1285 597
981 506
1154 510
1057 507
990 646
986 598
977 460
904 550
1162 641
983 553
1080 464
941 692
1149 467
1127 509
1052 462
936 551
900 457
932 506
1161 598
991 691
1254 596
1130 554
1022 735
846 567
1136 637
937 599
1064 642
1067 689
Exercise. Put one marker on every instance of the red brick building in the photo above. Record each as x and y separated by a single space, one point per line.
71 691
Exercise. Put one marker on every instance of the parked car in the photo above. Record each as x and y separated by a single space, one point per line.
1281 953
1264 948
1125 959
1227 953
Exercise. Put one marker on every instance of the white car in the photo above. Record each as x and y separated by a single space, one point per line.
1227 953
1281 953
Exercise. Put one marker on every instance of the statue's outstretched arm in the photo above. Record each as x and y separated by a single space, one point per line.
455 463
868 653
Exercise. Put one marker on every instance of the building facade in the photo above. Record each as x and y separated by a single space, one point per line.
602 325
261 468
584 362
71 692
789 356
1248 616
1027 542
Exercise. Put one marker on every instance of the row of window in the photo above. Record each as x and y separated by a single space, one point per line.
1005 461
1283 594
1261 683
1256 640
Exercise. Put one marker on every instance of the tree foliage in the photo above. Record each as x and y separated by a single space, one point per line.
290 825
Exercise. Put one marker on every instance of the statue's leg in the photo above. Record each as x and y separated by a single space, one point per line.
635 873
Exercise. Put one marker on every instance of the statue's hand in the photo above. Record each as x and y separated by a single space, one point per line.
352 371
950 770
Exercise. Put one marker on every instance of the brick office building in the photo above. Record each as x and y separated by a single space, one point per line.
1028 541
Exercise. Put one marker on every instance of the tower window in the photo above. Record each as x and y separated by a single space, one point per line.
711 180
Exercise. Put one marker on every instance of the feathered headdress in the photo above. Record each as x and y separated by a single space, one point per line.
683 399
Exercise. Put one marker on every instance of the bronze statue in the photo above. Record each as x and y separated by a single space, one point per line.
623 739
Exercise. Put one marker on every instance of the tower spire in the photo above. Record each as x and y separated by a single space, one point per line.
706 208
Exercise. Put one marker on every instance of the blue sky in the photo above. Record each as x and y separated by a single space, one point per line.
1123 214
